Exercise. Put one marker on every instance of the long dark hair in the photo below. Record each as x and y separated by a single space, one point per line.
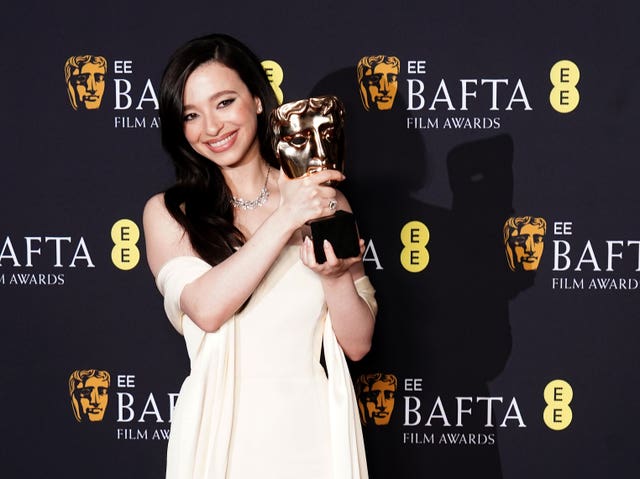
200 199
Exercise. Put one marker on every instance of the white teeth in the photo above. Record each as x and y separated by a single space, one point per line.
222 142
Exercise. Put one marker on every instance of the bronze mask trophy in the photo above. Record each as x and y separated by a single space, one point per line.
308 137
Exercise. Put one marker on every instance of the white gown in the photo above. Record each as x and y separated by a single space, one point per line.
258 402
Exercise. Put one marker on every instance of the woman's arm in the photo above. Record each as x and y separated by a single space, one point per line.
351 316
214 297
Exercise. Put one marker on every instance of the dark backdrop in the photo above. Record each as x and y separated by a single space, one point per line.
459 335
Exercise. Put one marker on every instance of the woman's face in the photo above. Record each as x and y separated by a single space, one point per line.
220 115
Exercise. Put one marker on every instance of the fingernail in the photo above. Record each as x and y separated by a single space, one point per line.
325 243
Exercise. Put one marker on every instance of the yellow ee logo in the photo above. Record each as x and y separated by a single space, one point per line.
564 96
275 75
558 394
414 257
125 254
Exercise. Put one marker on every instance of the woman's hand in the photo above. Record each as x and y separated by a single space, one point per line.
333 267
307 197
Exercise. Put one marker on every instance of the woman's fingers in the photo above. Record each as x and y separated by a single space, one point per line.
309 197
325 176
333 266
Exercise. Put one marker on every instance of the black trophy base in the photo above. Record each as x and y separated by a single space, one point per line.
340 230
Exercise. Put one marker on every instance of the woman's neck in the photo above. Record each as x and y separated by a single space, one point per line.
246 180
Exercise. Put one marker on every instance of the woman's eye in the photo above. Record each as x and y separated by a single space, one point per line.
225 103
189 117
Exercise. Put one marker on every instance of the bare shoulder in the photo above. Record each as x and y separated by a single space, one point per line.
154 205
164 236
156 215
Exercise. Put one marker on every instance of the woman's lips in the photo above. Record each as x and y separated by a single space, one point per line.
222 144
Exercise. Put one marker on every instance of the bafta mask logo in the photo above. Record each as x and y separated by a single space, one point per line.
376 397
524 242
378 81
89 392
85 76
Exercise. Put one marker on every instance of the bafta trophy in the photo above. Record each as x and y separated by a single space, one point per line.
308 137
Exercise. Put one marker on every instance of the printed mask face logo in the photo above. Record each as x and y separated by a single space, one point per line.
376 397
378 81
88 389
524 242
85 79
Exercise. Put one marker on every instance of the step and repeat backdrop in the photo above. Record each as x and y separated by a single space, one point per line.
493 169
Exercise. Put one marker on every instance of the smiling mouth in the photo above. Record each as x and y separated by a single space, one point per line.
223 142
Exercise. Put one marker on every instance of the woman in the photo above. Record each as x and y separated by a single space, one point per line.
242 284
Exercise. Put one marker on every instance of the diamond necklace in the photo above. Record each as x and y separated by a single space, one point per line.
258 202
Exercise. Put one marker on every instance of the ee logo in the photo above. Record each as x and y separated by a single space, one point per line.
125 255
414 257
564 96
558 394
275 75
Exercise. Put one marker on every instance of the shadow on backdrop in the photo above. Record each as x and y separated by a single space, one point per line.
449 323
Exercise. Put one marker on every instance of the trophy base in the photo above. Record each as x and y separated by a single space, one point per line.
340 230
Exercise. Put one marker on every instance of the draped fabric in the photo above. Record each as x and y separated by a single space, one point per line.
203 420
